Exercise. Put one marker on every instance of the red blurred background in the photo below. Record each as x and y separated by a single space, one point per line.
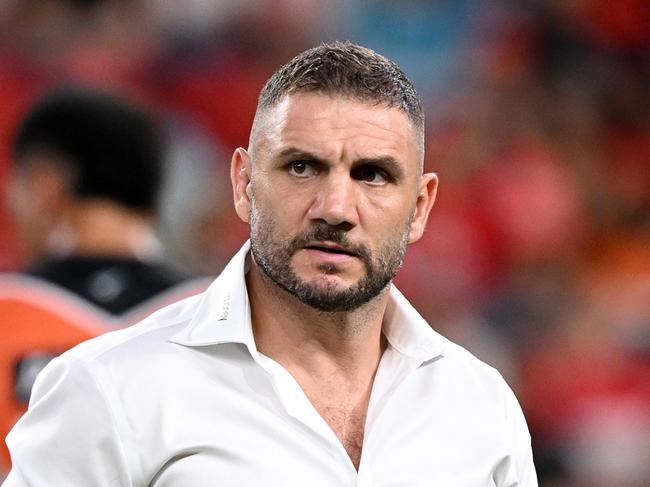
537 255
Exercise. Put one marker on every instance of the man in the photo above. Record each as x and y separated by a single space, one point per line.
302 364
88 168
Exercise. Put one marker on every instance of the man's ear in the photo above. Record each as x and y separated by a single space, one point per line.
424 203
240 179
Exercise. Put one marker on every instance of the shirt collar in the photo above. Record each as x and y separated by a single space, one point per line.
223 312
223 316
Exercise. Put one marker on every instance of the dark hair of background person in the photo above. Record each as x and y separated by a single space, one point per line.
112 149
343 68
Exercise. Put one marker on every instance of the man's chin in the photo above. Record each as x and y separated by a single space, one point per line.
326 288
330 282
330 295
329 303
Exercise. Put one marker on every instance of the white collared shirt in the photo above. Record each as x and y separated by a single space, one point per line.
184 399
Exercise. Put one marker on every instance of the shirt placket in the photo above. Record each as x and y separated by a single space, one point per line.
298 406
393 369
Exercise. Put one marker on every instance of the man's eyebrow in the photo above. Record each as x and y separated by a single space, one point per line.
295 153
386 163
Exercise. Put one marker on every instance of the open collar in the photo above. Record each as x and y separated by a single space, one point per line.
223 312
223 316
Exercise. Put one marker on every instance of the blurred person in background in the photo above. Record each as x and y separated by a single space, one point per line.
84 189
87 172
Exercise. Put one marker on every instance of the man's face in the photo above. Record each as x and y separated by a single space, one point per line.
332 187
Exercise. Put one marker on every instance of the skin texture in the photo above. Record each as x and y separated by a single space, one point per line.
333 192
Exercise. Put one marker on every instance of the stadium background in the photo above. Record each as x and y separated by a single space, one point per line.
537 254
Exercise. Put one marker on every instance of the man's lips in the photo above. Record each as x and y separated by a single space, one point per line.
329 252
330 248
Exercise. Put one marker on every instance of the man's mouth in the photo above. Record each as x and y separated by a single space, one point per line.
330 248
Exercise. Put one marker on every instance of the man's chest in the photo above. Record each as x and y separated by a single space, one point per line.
238 427
348 424
286 454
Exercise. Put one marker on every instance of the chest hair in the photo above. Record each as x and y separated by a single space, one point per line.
348 423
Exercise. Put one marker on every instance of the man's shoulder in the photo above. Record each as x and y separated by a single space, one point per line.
152 332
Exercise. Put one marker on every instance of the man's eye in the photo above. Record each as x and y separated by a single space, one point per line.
301 168
371 175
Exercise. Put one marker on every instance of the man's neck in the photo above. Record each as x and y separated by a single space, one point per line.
333 356
98 227
347 343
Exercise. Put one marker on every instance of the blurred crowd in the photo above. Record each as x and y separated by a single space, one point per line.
537 255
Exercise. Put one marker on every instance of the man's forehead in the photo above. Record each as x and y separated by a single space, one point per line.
316 105
307 115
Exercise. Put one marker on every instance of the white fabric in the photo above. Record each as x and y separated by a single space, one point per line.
185 399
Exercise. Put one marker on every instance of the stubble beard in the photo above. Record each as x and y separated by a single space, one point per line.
273 255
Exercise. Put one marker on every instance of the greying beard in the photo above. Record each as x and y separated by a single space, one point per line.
274 258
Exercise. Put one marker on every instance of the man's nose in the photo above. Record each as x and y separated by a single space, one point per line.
335 202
